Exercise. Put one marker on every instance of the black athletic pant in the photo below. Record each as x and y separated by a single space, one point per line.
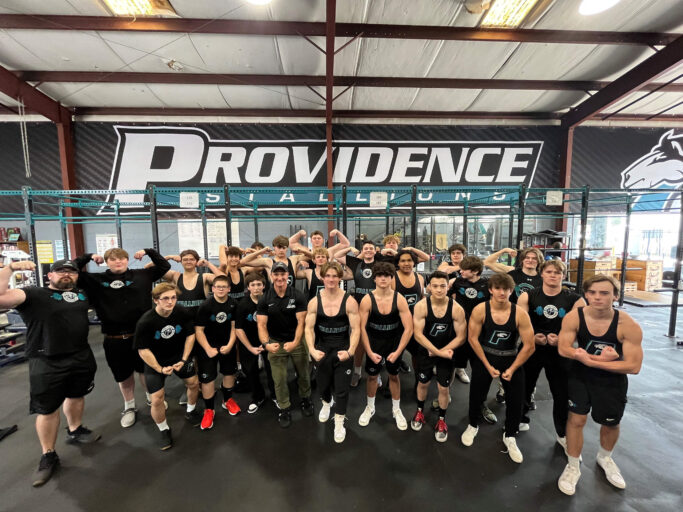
463 354
250 368
334 376
555 366
514 391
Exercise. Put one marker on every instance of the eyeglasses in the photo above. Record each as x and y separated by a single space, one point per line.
167 299
65 271
220 287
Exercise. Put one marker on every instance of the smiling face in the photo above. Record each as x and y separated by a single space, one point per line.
368 252
530 261
406 263
220 288
188 262
280 279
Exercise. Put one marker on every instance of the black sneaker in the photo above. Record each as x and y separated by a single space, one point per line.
404 367
254 406
194 417
532 405
165 439
81 435
488 415
49 462
284 418
306 407
500 396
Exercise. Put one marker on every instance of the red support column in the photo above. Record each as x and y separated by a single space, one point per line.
67 160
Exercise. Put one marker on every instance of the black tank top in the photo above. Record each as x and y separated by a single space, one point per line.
364 280
264 273
523 283
333 331
384 327
413 294
496 339
191 299
237 289
439 331
594 345
315 287
546 312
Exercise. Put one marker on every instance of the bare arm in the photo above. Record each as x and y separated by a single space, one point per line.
189 343
473 332
342 241
151 361
294 239
419 317
311 313
492 260
407 321
567 337
300 318
264 338
460 326
364 313
354 322
255 260
421 255
526 333
630 335
12 298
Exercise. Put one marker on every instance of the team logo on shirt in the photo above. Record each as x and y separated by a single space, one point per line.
251 317
290 280
411 299
366 273
291 304
550 311
498 336
70 297
168 331
116 284
471 293
595 347
523 288
221 317
438 329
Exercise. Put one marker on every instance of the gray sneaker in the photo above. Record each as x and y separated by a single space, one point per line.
488 415
183 399
355 379
128 417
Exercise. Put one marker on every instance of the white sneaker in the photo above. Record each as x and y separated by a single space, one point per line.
562 441
325 411
128 417
523 427
462 375
469 434
513 450
366 416
611 472
568 480
355 379
401 422
149 404
339 430
379 381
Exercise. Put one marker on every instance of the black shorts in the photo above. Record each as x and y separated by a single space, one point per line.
155 380
425 369
605 398
52 379
383 348
122 358
207 367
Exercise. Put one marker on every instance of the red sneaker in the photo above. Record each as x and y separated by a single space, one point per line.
441 431
207 419
417 421
231 406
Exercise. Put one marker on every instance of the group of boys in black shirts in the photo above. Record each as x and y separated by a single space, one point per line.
464 318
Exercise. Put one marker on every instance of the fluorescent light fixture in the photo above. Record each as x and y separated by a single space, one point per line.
140 7
507 13
589 7
259 2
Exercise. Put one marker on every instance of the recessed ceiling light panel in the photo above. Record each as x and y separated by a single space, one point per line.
140 7
507 13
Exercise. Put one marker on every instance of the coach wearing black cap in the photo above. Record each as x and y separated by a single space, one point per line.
60 363
281 313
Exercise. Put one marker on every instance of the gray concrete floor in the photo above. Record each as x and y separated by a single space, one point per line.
250 463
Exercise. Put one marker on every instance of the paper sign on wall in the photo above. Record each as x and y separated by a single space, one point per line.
378 199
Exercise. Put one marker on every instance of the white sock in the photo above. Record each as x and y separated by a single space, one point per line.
604 454
573 461
191 407
149 398
129 404
395 404
371 402
357 370
162 426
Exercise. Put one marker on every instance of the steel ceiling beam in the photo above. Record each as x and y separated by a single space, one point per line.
317 80
330 27
301 28
33 99
630 82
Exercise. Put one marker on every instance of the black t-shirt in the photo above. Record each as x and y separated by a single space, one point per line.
121 299
281 312
363 276
245 319
469 294
216 318
523 283
56 321
164 336
548 311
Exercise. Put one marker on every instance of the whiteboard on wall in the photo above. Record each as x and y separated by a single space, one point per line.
190 236
104 243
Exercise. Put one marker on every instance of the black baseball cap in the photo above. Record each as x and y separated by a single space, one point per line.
63 264
279 266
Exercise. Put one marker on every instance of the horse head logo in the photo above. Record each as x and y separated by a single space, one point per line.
662 167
